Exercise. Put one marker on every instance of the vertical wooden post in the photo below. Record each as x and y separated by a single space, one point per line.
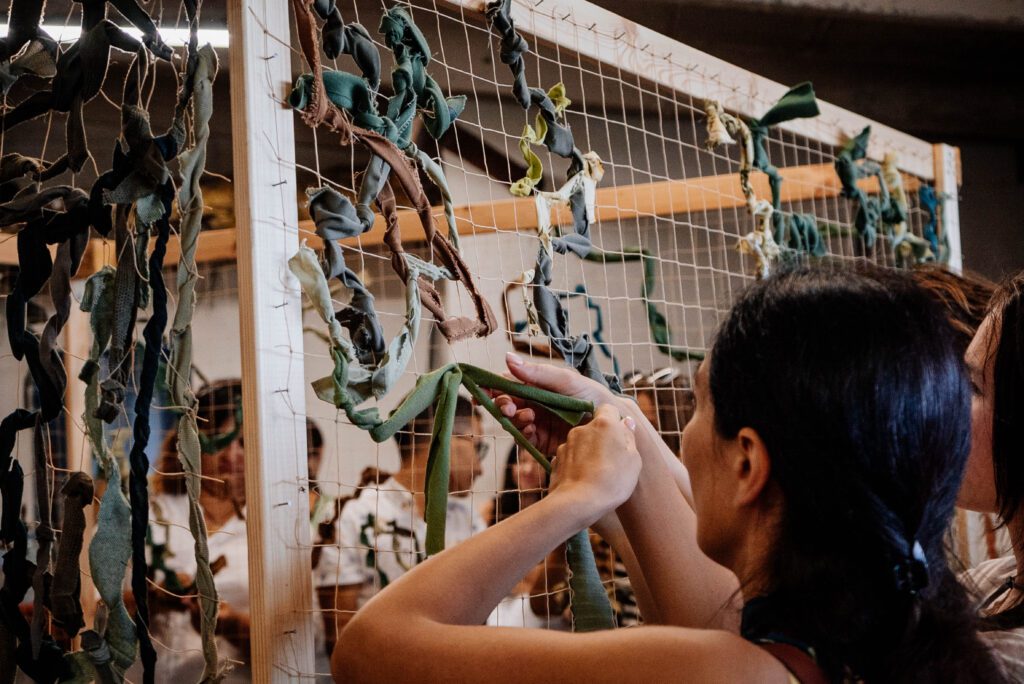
270 313
947 186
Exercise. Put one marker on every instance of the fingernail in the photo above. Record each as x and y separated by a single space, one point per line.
514 359
630 423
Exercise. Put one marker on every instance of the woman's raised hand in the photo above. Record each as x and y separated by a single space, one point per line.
547 432
599 462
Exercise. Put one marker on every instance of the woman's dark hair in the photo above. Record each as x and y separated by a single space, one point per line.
1007 313
965 297
509 500
853 382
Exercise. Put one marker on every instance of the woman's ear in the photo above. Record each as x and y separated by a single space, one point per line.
752 465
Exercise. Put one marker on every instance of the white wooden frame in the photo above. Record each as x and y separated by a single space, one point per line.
267 235
270 314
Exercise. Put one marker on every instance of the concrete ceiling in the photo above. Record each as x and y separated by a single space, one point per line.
954 79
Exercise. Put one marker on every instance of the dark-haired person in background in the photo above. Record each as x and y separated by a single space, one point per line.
822 489
994 479
381 533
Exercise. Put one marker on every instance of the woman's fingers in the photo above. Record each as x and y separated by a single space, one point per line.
508 405
524 417
600 459
554 378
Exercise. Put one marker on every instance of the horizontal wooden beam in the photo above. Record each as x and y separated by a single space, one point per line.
626 202
613 203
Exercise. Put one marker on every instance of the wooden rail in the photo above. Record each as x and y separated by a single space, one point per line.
613 203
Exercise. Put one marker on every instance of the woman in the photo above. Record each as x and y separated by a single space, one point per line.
821 490
994 479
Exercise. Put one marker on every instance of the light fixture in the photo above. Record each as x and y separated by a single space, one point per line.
175 37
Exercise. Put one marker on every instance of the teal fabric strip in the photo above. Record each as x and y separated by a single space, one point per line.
798 103
109 553
851 165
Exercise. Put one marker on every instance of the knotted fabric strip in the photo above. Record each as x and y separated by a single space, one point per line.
548 130
78 77
414 87
192 163
347 97
777 233
44 225
851 165
579 192
338 38
44 540
335 219
109 554
23 19
38 57
143 186
354 381
938 240
65 591
18 571
513 47
798 103
907 248
157 153
138 484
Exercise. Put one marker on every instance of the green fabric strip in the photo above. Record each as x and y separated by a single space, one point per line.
591 609
439 461
192 163
423 395
520 439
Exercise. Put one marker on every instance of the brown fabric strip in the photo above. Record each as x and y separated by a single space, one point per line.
66 588
44 539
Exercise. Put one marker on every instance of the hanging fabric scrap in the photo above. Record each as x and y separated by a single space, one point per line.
777 234
351 384
346 103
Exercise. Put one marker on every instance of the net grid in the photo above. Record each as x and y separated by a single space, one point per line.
698 269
